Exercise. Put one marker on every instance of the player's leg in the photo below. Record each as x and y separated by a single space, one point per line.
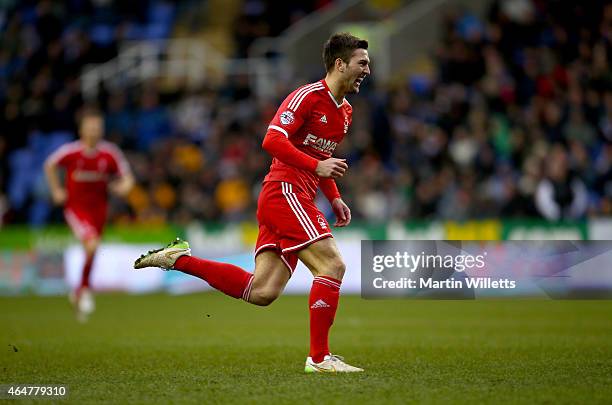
260 288
87 227
325 262
90 246
269 279
305 233
326 265
227 278
323 259
84 301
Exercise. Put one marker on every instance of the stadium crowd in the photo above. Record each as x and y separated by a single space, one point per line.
517 121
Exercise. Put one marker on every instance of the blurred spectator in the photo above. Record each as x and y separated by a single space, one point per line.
120 120
561 194
515 122
152 123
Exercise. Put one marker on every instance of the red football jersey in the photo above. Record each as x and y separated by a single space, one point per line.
88 173
315 124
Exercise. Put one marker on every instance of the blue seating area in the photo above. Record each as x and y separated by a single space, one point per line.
27 176
45 46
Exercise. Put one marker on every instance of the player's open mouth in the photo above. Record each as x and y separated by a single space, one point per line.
358 81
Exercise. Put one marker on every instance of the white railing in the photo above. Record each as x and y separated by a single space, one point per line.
414 31
190 61
195 62
138 61
299 46
403 37
400 39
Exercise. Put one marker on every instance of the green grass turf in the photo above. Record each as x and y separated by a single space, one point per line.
209 348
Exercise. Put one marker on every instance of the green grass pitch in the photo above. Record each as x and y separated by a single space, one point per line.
206 348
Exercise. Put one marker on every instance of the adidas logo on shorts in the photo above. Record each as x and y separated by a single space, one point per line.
320 304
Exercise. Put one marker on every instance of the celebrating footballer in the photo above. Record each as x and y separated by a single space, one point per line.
301 138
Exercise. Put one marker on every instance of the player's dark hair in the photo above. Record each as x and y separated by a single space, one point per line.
341 46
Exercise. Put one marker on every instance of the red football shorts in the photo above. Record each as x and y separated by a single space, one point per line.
85 224
289 221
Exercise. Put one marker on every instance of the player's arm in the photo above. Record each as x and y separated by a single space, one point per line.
341 210
58 192
289 118
123 184
278 145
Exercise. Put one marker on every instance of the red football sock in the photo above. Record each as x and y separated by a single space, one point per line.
86 271
323 303
225 277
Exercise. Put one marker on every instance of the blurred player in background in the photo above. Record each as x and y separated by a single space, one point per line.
92 168
301 138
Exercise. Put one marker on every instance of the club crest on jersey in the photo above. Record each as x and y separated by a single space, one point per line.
322 144
287 118
321 222
323 119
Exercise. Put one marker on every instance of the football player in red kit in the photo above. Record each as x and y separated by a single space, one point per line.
301 138
92 168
